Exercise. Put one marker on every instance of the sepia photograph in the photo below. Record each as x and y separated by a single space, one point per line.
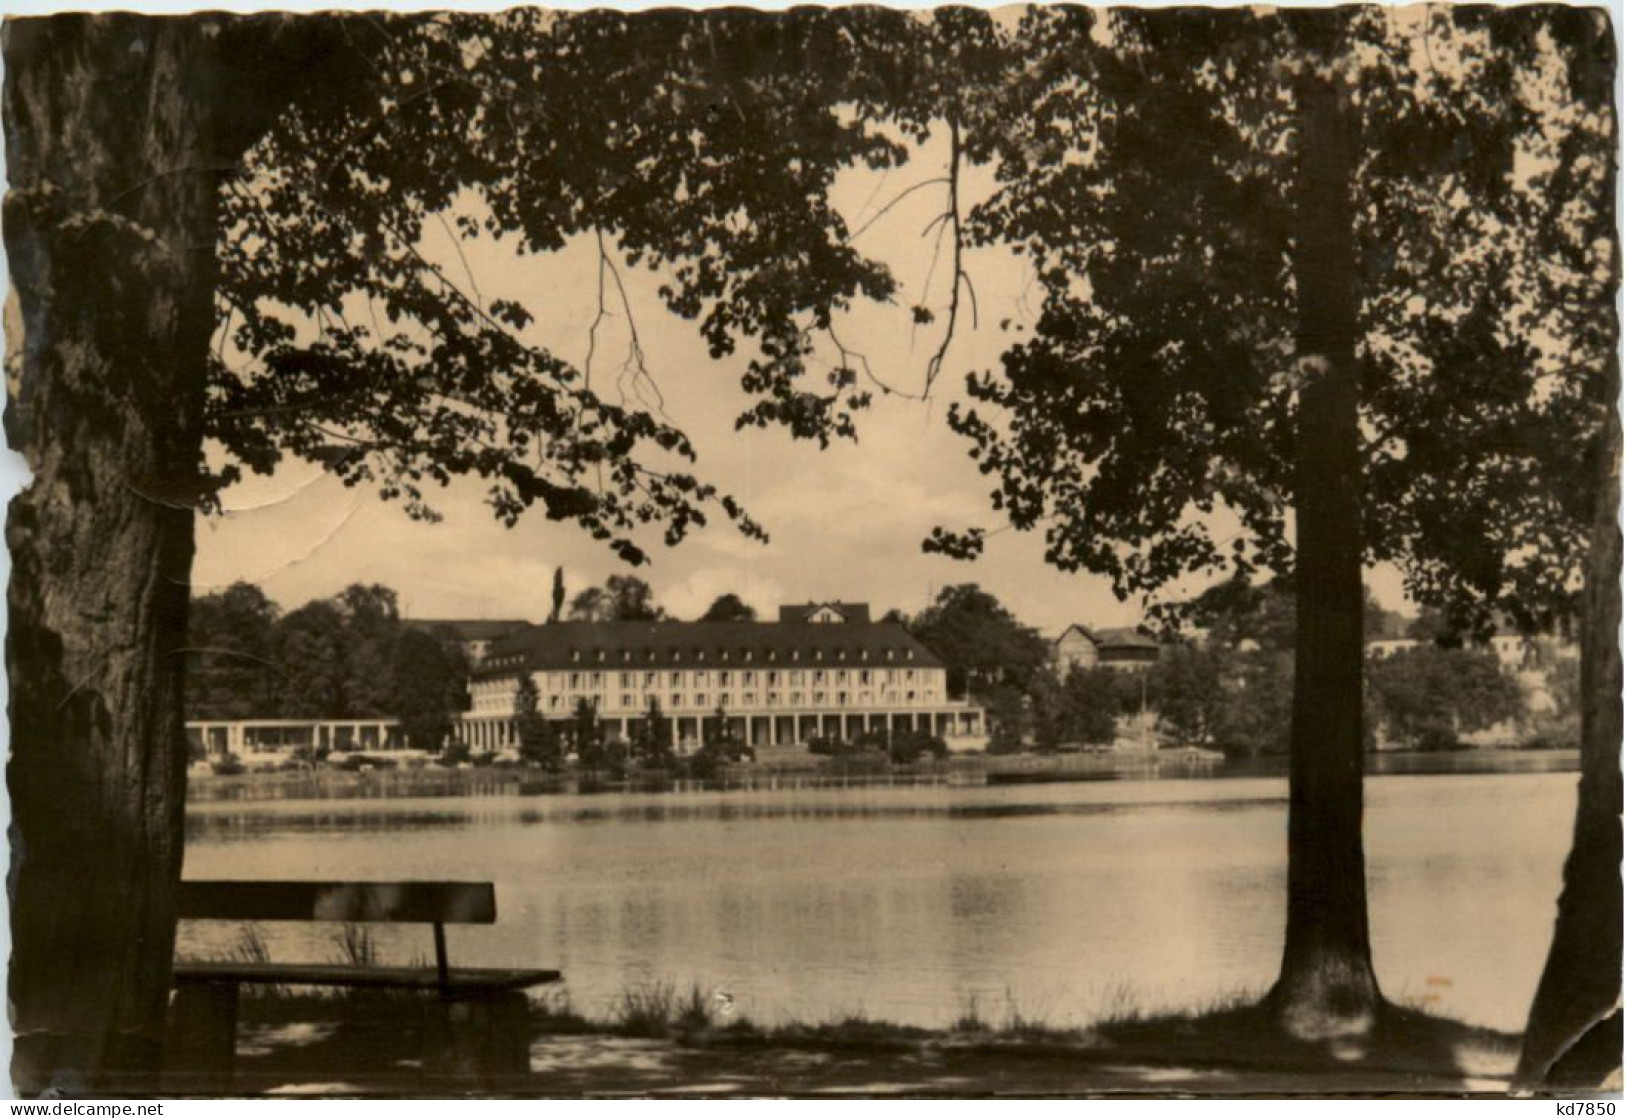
816 552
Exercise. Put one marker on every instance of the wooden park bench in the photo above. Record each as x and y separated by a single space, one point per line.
476 1019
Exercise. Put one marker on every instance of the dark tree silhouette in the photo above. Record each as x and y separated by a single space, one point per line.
118 132
1290 274
592 604
558 595
728 607
650 745
983 644
1576 1006
231 672
136 145
427 680
372 630
1427 697
315 667
621 598
539 741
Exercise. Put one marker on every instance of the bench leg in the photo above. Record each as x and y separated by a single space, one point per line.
485 1038
201 1051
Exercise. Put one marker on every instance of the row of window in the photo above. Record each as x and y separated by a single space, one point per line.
702 701
721 655
575 681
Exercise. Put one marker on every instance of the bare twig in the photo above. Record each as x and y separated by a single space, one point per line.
934 368
846 356
975 310
598 318
884 210
456 243
635 359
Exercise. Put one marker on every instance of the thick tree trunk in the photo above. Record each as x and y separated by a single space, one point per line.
118 130
110 228
1573 1036
1326 983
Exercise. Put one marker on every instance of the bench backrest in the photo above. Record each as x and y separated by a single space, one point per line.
357 902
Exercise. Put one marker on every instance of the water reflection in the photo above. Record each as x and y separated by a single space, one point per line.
434 782
248 821
910 903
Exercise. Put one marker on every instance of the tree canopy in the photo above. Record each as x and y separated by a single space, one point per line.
1428 697
1146 422
980 640
351 655
621 598
231 661
705 144
729 607
1145 418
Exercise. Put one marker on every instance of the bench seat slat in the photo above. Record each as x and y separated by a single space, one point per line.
459 979
400 902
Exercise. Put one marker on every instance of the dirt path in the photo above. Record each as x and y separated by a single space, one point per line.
323 1059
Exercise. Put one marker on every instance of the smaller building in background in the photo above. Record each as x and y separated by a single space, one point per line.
825 613
474 636
1124 649
1516 652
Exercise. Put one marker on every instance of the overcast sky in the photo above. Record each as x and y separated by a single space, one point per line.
844 522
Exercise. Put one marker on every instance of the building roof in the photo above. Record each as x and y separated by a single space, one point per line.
1122 638
630 645
473 629
850 611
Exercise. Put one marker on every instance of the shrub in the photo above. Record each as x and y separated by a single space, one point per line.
1554 731
1003 742
1437 737
646 1011
703 765
228 765
909 746
355 762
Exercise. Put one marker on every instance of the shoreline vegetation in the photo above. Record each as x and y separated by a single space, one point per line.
664 1037
659 1037
431 781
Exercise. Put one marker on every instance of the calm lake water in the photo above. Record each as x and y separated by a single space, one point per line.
1062 901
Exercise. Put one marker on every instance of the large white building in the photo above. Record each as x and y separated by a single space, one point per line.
823 670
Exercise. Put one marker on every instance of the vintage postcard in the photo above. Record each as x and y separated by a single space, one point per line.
1034 551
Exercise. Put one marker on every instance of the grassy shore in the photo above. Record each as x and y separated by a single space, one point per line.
660 1039
658 1043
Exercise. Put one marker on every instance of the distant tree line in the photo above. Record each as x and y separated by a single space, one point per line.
353 655
629 598
348 656
1233 689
